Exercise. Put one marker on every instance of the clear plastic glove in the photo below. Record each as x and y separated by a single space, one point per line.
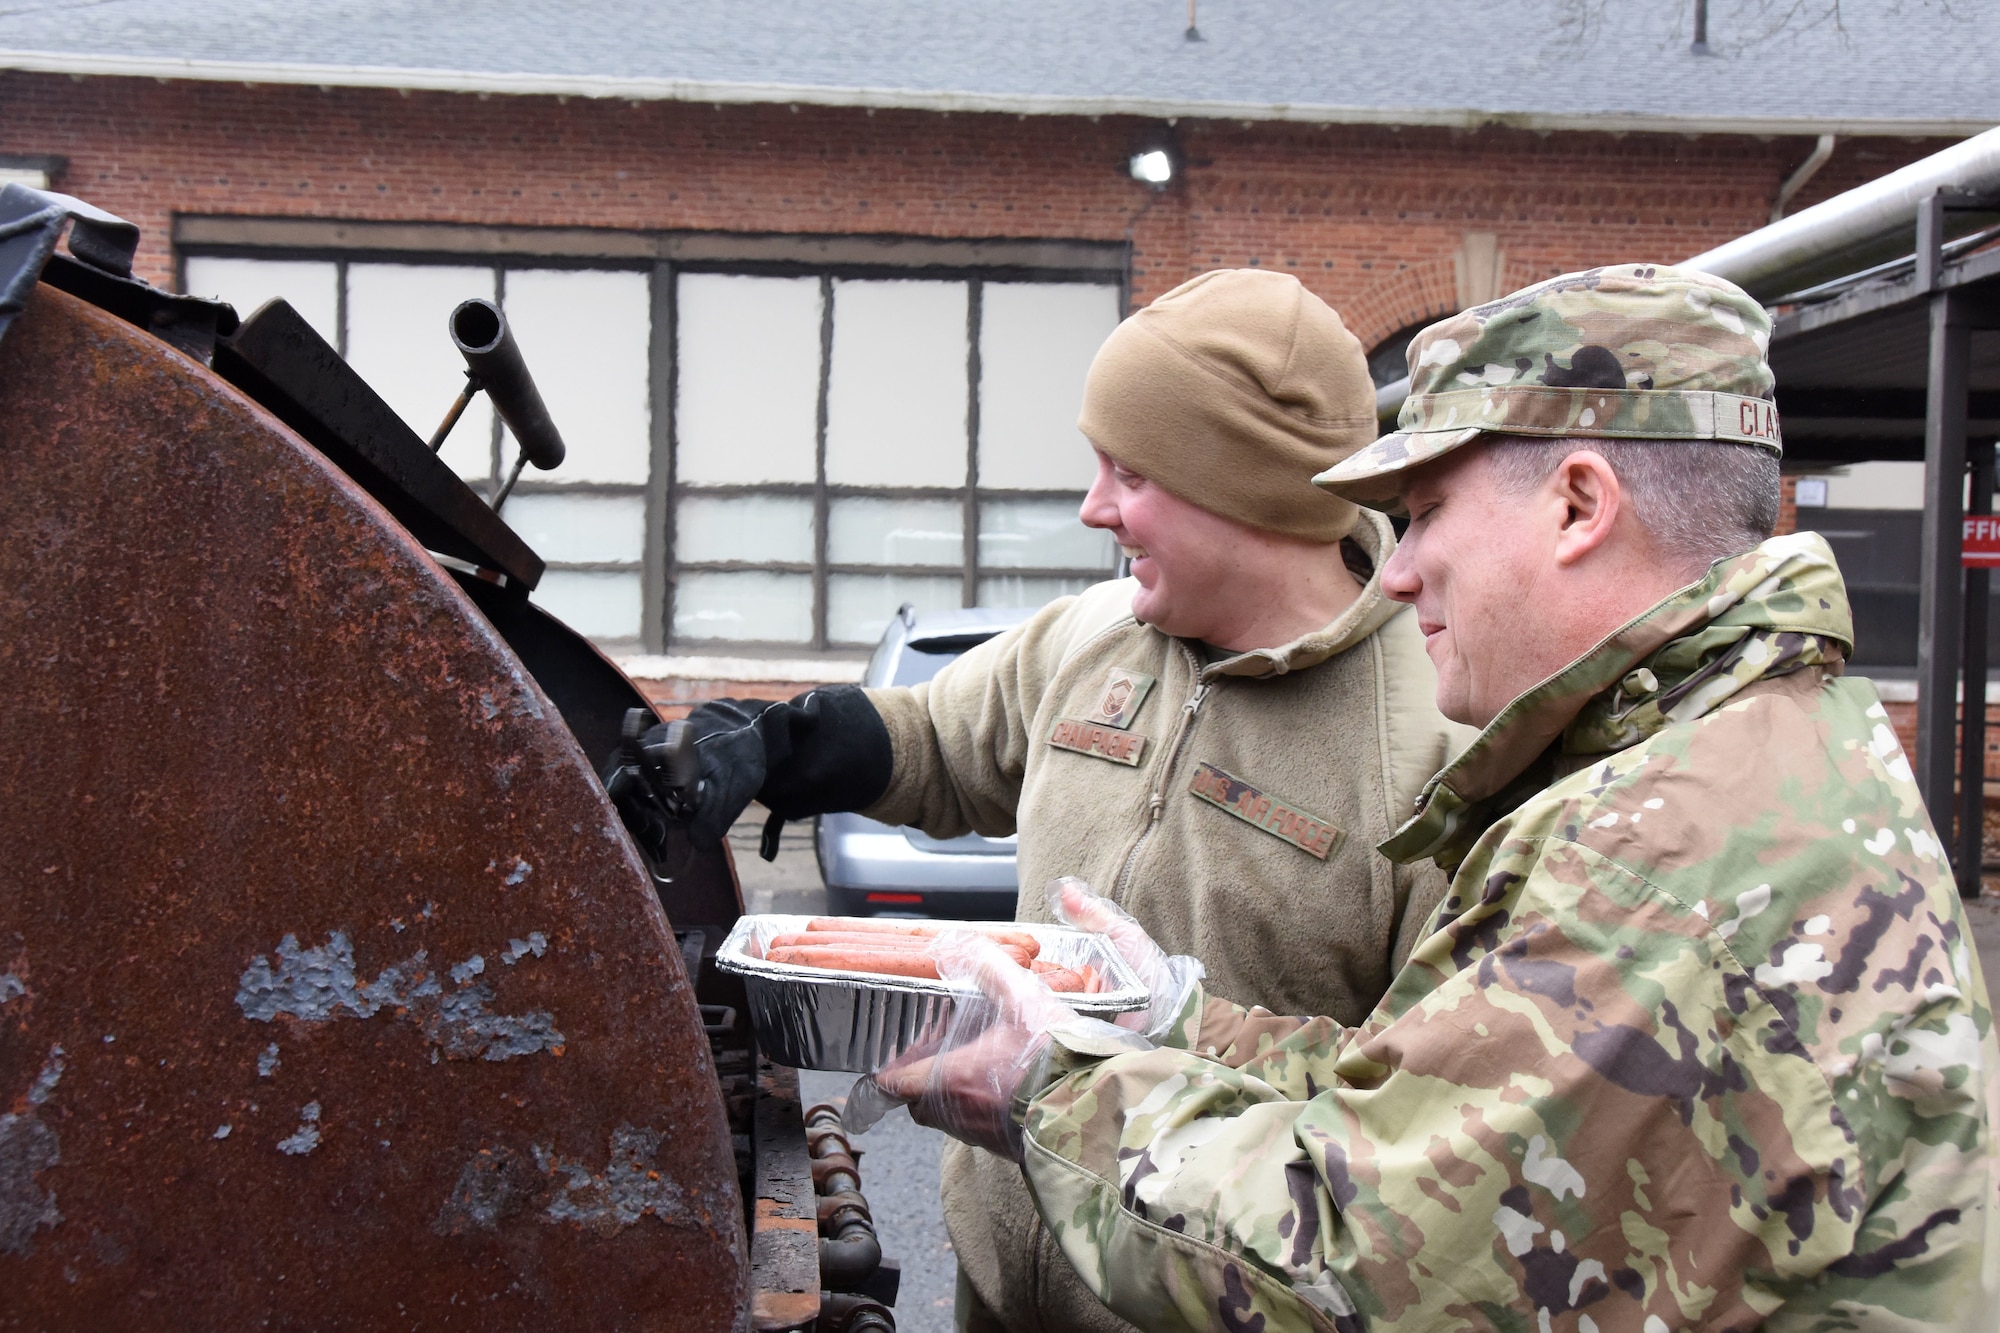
1170 977
964 1080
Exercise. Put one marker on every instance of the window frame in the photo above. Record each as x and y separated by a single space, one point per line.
663 257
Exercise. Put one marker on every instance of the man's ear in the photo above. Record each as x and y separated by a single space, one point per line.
1592 500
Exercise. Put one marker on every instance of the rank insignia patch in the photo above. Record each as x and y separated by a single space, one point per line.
1098 741
1309 833
1125 692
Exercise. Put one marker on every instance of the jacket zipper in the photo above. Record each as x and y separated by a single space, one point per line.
1157 801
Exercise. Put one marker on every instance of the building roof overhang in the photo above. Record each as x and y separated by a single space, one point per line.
722 93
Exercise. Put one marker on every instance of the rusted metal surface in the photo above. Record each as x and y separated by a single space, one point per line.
331 994
784 1244
697 884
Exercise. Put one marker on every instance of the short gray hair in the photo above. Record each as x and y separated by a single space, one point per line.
1700 500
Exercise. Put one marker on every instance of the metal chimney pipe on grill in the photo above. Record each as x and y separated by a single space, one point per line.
1865 225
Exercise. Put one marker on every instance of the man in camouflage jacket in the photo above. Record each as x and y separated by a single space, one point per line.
1698 1039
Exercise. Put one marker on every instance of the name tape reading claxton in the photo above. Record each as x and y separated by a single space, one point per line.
1309 833
1098 741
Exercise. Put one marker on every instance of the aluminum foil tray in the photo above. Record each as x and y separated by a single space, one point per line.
816 1018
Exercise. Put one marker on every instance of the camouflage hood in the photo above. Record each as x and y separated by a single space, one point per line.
1757 616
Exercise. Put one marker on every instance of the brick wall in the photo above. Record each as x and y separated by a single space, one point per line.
1788 507
1370 218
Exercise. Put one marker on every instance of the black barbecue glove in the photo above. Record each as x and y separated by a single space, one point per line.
825 750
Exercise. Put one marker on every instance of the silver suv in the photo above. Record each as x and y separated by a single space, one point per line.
870 867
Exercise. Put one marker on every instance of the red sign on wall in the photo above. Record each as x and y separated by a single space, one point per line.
1982 543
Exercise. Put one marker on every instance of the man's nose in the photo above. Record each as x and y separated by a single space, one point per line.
1399 574
1098 509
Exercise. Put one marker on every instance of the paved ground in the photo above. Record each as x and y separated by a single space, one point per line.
900 1168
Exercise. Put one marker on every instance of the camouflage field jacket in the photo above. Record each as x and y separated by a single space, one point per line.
1698 1040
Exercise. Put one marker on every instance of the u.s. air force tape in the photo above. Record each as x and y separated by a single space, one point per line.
1277 817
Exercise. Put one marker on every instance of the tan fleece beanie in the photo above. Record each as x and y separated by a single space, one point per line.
1232 391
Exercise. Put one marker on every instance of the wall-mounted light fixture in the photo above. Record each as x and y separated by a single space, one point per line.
1154 167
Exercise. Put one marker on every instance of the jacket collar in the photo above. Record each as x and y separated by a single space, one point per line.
1763 614
1368 613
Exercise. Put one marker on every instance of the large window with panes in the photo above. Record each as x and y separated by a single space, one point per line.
764 455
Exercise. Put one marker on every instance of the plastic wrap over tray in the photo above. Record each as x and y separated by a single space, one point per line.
818 1018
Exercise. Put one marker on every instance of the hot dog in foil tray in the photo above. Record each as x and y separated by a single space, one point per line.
850 993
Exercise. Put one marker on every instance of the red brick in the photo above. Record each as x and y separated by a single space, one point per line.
1368 217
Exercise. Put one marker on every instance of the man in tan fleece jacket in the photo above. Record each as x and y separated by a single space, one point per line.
1217 742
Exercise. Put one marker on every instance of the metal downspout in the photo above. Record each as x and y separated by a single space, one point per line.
1822 150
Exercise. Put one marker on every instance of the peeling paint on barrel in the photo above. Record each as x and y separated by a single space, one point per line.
27 1148
306 1137
320 984
45 1082
536 944
498 1183
626 1190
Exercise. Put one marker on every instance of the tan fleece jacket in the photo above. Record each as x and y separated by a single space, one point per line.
1319 746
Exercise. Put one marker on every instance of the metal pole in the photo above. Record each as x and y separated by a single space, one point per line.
508 489
1929 255
472 386
1938 623
1972 727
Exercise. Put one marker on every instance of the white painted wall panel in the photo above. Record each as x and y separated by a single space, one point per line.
749 606
895 532
1876 486
598 606
580 529
1040 534
858 606
1015 590
748 378
586 337
750 527
1036 341
896 398
311 285
399 340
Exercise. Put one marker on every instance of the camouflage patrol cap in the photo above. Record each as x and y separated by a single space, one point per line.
1633 351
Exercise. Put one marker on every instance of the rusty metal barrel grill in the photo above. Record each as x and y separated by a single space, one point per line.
332 991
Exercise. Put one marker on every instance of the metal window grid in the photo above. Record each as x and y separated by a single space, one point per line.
659 568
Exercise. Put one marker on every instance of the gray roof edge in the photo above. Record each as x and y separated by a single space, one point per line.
1023 104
